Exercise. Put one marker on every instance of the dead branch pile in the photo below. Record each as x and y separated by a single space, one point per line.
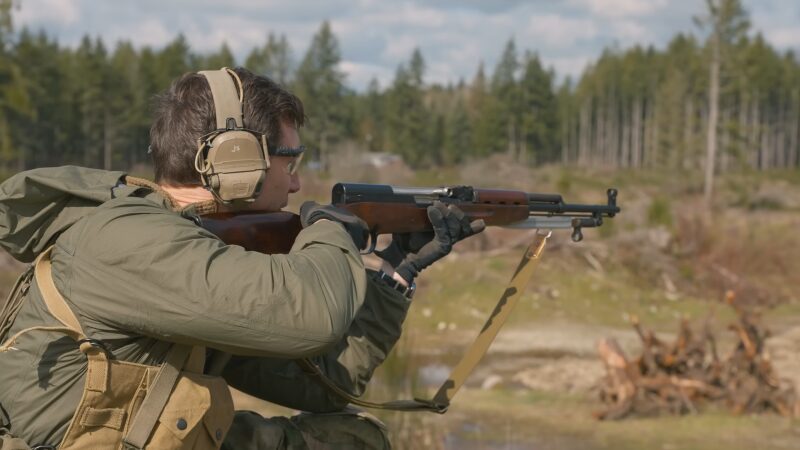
681 377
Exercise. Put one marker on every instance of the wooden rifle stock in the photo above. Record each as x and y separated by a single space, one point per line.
276 232
388 209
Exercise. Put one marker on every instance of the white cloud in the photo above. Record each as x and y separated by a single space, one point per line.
151 32
62 12
784 37
630 30
558 31
622 8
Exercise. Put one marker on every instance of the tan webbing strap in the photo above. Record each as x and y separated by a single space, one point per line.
52 298
153 403
97 369
441 401
226 98
509 299
196 361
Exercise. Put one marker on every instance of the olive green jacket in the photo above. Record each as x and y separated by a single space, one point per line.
140 277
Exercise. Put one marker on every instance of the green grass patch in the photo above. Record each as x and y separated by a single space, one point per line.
531 419
463 293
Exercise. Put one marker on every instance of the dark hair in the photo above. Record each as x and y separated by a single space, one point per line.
185 112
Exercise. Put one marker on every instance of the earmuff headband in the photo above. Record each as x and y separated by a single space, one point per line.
227 102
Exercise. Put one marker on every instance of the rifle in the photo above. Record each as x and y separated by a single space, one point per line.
391 209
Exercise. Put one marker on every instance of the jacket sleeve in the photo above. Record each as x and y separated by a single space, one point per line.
134 266
350 364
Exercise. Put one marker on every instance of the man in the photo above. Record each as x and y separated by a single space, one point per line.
143 279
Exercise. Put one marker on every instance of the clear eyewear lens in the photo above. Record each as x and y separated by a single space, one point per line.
292 167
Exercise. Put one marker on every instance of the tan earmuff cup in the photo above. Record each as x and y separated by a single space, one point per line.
237 166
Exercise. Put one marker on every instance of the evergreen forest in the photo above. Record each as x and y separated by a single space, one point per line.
636 107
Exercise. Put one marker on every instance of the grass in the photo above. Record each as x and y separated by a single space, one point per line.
466 290
533 419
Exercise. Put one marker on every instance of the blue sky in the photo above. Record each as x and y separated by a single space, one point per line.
376 35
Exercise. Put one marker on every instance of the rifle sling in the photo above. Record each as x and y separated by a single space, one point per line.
441 400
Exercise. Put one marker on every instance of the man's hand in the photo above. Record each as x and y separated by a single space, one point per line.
409 253
311 212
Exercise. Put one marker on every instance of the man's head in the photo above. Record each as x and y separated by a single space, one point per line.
185 112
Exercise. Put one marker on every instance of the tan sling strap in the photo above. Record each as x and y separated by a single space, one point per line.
441 401
97 368
153 404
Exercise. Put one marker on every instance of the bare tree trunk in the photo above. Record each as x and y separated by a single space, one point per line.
615 136
600 122
625 149
636 138
511 150
725 141
780 137
743 131
565 128
574 139
763 153
585 138
688 135
713 106
647 132
755 133
793 128
106 142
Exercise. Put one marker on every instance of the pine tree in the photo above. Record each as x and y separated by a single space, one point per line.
273 59
407 117
458 135
222 58
503 115
320 83
539 112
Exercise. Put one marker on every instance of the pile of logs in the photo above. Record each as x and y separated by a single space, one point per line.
683 376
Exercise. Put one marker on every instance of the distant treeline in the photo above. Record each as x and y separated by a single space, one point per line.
641 107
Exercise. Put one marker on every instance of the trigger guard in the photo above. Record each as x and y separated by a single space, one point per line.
373 241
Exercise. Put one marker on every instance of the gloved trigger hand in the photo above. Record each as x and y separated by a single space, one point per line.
420 250
358 230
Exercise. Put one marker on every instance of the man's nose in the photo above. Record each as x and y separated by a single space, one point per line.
294 183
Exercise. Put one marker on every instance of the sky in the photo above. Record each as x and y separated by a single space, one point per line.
375 36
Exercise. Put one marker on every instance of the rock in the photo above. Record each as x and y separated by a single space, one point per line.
567 374
491 382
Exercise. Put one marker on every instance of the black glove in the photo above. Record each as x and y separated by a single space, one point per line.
358 230
409 253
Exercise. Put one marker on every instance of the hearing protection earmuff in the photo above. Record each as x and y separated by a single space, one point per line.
232 160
